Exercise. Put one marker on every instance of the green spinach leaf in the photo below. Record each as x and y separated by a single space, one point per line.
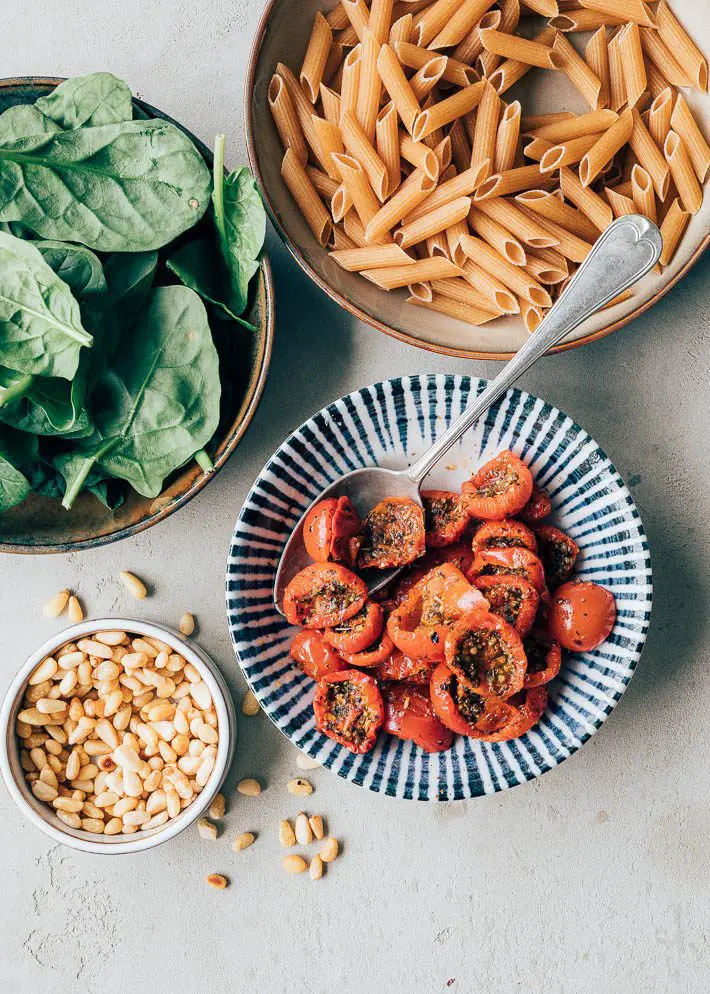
110 491
16 451
77 266
92 100
44 405
24 122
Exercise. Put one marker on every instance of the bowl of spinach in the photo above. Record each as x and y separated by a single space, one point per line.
136 312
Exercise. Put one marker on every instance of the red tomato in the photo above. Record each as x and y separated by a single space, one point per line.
529 706
558 553
487 654
581 615
392 534
397 666
512 598
538 507
376 653
315 657
409 715
499 489
329 531
348 707
544 659
503 535
462 709
512 562
445 517
323 595
360 631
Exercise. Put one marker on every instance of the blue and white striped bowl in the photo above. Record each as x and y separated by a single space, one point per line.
390 424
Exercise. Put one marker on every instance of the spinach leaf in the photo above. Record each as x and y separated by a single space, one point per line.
92 100
129 276
40 324
23 122
160 401
77 266
107 489
125 187
44 405
16 451
199 266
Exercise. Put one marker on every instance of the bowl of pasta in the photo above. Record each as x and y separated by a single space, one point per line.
441 167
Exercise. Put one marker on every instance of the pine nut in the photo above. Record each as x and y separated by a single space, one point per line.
250 787
206 829
135 587
125 805
299 786
127 758
56 605
217 881
142 645
110 638
92 648
304 834
67 804
172 801
216 808
73 765
43 792
70 660
156 821
38 757
187 624
92 825
106 799
243 841
114 826
316 823
48 776
250 705
294 864
201 695
136 817
329 850
287 837
315 870
45 671
74 610
32 717
48 706
304 762
68 683
92 811
69 818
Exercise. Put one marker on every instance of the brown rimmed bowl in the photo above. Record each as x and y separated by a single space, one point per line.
41 525
282 36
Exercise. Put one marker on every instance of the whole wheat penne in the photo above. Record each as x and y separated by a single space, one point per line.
421 270
583 197
462 102
464 19
661 56
507 138
566 153
685 125
531 315
627 10
334 66
397 85
387 143
337 18
617 84
305 195
437 245
535 148
492 291
620 203
419 155
470 46
596 55
455 309
531 122
444 154
303 108
329 142
553 258
632 63
316 57
454 233
674 224
415 189
511 181
648 154
520 49
657 82
331 104
416 58
372 257
571 246
461 185
606 146
285 119
424 81
351 80
325 186
583 20
340 203
576 126
358 15
380 20
642 192
354 229
358 187
546 8
514 277
519 223
464 292
368 100
659 116
401 31
545 272
484 136
677 40
623 189
508 74
429 23
421 292
682 171
497 236
357 145
577 70
551 209
412 232
487 62
341 241
460 148
437 135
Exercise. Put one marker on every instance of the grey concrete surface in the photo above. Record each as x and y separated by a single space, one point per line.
593 879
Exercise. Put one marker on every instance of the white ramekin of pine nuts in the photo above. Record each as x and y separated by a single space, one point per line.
116 735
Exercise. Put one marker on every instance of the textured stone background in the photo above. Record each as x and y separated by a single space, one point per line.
594 878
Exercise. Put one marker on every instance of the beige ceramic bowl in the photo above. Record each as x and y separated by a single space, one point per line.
282 36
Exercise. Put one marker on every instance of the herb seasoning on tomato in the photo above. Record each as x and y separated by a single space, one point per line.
392 534
462 709
544 658
505 534
486 653
330 531
313 654
360 631
409 715
348 708
499 489
582 615
323 595
512 598
445 517
558 553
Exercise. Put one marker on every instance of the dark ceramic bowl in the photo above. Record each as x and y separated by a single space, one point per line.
41 525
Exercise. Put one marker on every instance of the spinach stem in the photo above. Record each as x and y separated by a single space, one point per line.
218 184
204 462
17 390
77 484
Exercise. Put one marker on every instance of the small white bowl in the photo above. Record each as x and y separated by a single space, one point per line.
41 815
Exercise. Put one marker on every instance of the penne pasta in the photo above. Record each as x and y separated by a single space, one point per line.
380 19
331 104
682 171
519 49
446 111
654 48
492 291
354 260
421 292
357 186
620 203
659 116
413 232
387 144
464 19
677 40
596 55
443 153
632 63
397 85
648 154
642 193
351 81
341 241
571 246
470 47
416 58
533 121
627 10
330 143
304 193
460 148
419 155
488 62
550 208
354 229
303 108
340 204
657 82
337 18
514 277
332 74
496 235
577 70
484 135
584 198
438 245
545 8
518 223
454 309
316 57
424 81
430 22
674 224
415 271
415 189
617 85
536 148
368 99
464 292
605 147
576 126
684 124
511 181
285 119
454 234
545 272
566 154
358 146
324 185
461 185
401 31
584 20
507 138
357 13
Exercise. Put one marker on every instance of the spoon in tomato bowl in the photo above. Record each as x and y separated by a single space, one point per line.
622 255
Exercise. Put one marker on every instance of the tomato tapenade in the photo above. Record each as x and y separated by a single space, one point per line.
486 653
323 595
582 615
499 489
358 632
504 534
510 562
512 598
409 714
330 531
348 707
462 709
544 658
313 654
445 517
392 534
558 553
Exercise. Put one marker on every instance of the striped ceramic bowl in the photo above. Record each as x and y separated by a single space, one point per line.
390 424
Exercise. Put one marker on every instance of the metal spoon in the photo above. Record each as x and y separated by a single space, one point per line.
624 253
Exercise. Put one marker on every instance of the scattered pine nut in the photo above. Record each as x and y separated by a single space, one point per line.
249 787
304 762
216 808
316 823
56 605
135 587
243 841
217 881
315 871
250 705
287 837
304 833
330 850
294 864
299 786
206 829
74 610
187 623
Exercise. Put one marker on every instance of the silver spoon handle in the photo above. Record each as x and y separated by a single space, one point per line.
625 252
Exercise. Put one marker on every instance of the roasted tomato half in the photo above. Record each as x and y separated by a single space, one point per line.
512 562
505 534
558 553
358 632
315 657
397 666
418 626
348 708
330 530
458 555
528 707
392 534
323 595
486 653
581 615
512 598
544 659
499 489
462 709
376 653
538 507
445 517
409 715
